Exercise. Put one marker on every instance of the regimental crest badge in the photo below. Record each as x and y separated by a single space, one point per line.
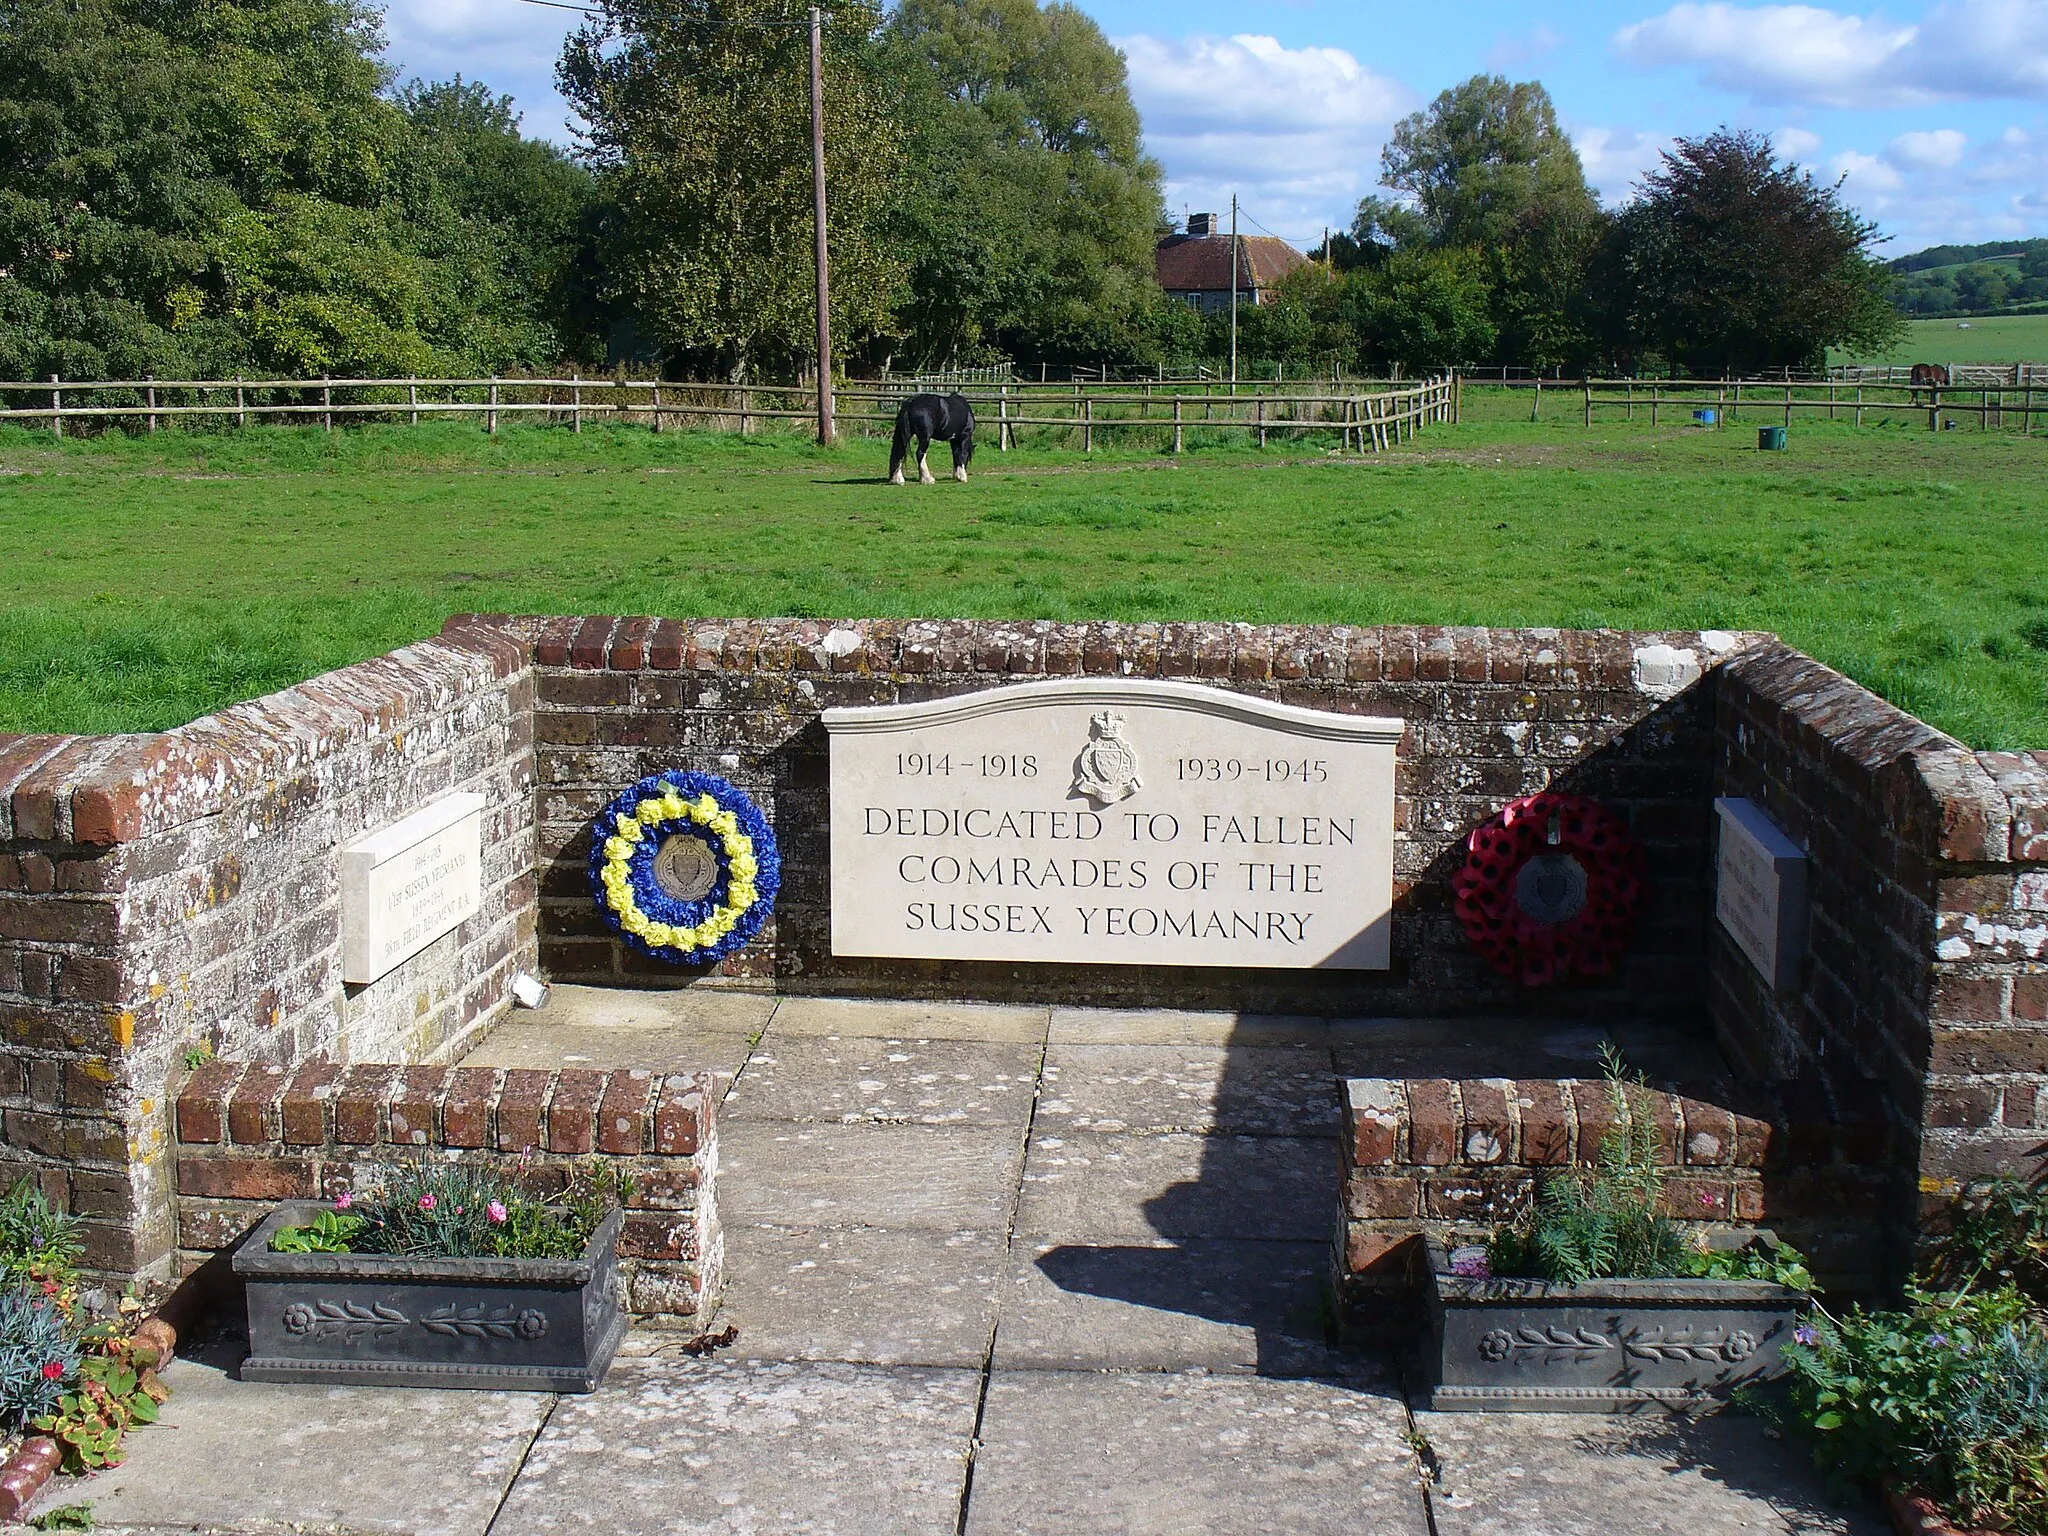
1107 769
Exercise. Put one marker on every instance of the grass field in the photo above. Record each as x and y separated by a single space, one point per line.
154 580
1987 339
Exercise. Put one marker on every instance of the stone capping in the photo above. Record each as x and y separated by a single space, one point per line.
1156 694
250 1136
103 790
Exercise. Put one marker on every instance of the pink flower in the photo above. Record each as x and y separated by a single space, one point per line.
1709 1199
496 1210
53 1370
344 1200
427 1202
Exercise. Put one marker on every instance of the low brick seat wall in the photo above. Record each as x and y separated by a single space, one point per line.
250 1135
1455 1159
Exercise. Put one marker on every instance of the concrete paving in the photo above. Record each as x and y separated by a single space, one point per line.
994 1271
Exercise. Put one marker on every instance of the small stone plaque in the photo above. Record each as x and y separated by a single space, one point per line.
405 886
1760 891
1113 821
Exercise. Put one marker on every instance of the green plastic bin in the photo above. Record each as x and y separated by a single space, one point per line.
1770 439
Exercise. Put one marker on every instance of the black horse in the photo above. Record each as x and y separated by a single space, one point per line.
949 418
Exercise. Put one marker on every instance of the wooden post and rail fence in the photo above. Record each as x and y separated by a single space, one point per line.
1364 419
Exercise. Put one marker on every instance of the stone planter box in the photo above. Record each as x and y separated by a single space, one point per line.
1609 1346
541 1325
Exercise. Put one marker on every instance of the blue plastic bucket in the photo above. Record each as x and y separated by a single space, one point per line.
1706 418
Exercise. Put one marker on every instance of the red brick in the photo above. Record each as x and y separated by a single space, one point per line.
673 1186
203 1101
303 1108
1968 1000
1593 1106
521 1104
1488 1135
1387 1254
252 1112
572 1112
683 1116
40 794
1432 1122
1373 1111
622 1116
1491 1196
410 1120
655 1236
2030 998
359 1103
1709 1134
1968 1052
466 1107
593 640
629 645
1385 1197
1972 1106
247 1178
1546 1124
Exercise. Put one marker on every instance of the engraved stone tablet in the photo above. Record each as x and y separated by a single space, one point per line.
1760 891
1112 821
405 886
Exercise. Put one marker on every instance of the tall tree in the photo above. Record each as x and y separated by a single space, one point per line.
1731 262
699 114
1484 159
209 186
1031 209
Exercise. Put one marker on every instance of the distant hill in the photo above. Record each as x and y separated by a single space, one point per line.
2004 277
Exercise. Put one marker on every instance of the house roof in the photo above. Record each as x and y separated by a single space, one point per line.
1201 263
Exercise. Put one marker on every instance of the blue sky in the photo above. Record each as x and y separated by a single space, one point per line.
1937 113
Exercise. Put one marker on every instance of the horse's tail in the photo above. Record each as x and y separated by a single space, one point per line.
900 449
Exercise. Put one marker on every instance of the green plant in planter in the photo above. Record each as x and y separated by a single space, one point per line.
459 1211
38 1356
1599 1223
38 1241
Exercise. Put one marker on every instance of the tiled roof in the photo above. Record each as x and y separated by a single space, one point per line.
1201 263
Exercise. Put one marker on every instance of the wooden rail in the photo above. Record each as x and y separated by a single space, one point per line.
1369 420
1993 405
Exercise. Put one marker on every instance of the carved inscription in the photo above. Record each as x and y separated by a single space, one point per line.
405 886
1115 822
1760 890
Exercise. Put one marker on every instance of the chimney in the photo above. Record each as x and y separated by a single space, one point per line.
1202 224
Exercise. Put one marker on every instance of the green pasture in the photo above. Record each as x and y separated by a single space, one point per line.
1984 339
153 580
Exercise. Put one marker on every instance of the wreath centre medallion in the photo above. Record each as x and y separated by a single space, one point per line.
684 868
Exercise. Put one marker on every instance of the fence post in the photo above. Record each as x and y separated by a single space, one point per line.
56 407
1788 405
1630 413
491 416
327 402
1087 423
1536 410
1003 418
1457 399
576 402
1933 409
152 402
412 398
1831 399
657 409
1176 423
1656 399
746 399
1259 413
241 405
1859 405
1589 400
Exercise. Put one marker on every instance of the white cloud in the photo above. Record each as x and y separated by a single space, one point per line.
1863 173
1932 149
1959 50
1296 132
1796 143
509 46
1513 50
1616 158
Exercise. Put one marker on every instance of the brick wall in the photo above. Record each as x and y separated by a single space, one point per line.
252 1135
1492 714
166 893
1457 1159
1927 962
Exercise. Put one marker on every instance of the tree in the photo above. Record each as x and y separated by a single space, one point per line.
215 186
1382 226
1483 160
1031 210
1423 309
1731 263
699 114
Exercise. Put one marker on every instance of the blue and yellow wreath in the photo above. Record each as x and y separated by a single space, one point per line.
747 870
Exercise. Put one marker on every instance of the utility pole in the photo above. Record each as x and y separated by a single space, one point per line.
826 432
1233 294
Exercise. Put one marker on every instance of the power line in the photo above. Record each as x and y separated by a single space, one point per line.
701 21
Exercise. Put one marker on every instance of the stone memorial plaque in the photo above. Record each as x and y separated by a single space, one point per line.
1108 821
1760 891
405 886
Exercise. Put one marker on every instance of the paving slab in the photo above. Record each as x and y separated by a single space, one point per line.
863 1295
904 1080
1516 1048
700 1008
950 1179
523 1043
1267 1090
242 1454
1508 1474
685 1447
1179 1184
1172 1026
1183 1455
914 1020
1211 1304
